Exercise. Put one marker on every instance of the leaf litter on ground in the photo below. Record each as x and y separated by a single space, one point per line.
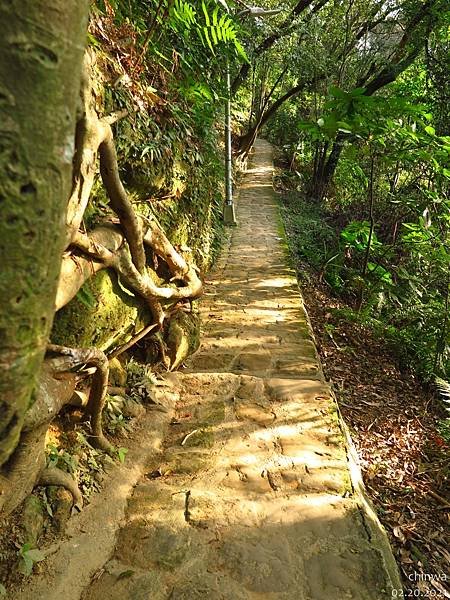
394 425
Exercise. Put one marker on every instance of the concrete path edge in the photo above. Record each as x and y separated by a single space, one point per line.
375 529
90 538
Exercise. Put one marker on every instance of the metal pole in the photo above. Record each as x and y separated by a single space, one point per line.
228 210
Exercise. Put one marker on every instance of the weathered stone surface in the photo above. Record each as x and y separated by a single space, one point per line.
254 361
32 520
211 362
120 582
255 412
117 373
296 389
297 367
181 461
153 546
253 497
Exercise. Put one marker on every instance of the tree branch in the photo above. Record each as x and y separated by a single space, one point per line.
284 29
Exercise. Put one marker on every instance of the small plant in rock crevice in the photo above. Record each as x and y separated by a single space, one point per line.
28 557
115 421
140 381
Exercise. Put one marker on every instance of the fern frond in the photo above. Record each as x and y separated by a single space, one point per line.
212 29
444 390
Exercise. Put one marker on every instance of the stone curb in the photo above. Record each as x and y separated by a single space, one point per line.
90 537
377 533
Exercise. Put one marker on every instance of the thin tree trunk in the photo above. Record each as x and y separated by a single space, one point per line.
315 165
440 342
246 141
371 230
41 55
328 167
318 188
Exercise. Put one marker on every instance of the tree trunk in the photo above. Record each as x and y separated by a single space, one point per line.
328 168
41 53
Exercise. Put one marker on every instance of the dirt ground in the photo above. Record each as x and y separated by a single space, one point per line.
393 419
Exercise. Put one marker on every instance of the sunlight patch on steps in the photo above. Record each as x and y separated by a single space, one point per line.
278 282
260 170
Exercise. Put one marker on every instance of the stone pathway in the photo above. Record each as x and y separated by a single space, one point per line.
253 498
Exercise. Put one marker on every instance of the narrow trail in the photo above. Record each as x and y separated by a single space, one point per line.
253 497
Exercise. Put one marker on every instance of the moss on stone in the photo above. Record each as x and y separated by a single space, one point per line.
203 438
346 488
212 413
181 462
32 520
101 314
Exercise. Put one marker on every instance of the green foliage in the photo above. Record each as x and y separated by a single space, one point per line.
61 459
444 389
90 465
393 152
213 28
86 297
122 453
168 149
184 13
113 416
80 459
356 236
28 557
141 381
310 238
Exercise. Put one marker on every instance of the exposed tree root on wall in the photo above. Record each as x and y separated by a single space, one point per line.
122 245
63 369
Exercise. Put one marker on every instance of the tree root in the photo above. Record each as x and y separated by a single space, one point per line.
54 476
119 199
100 251
121 248
138 336
76 270
76 358
63 368
95 137
20 473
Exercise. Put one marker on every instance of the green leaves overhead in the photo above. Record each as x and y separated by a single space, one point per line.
381 123
213 27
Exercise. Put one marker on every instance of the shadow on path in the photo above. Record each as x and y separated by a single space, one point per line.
253 498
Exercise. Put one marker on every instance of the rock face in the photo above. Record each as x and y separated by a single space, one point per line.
104 313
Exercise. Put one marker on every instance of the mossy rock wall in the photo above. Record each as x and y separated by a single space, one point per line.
171 163
102 314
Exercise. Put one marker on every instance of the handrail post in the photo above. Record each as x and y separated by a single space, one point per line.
229 216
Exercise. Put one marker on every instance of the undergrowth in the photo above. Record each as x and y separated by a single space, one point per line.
330 251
